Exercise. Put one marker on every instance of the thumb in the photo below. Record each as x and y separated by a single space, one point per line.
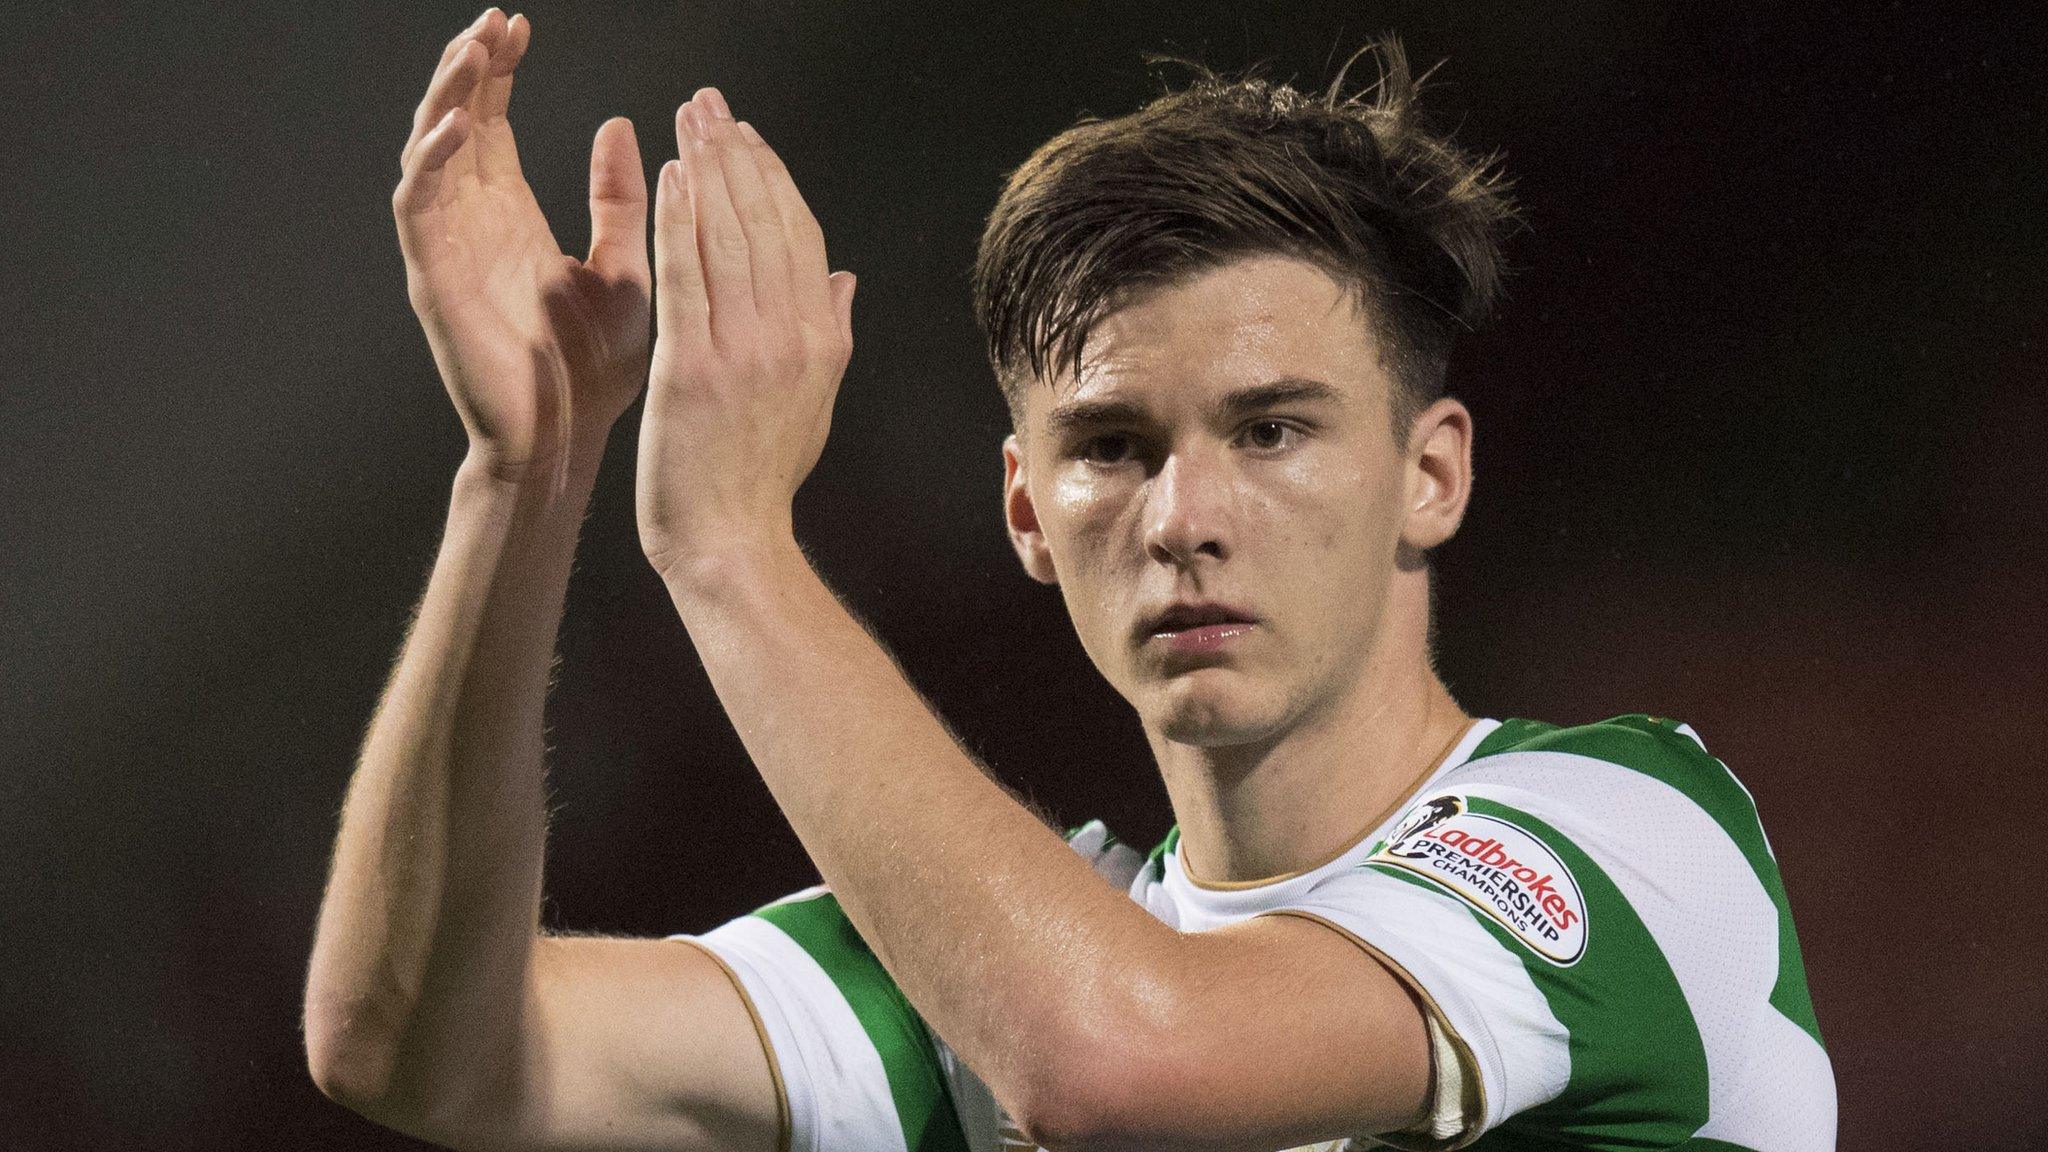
618 203
843 284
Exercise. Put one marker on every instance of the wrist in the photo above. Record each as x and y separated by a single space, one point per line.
525 496
568 474
732 562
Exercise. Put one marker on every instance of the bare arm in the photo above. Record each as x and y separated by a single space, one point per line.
1094 1024
433 1004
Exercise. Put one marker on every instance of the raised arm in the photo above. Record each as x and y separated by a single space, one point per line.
1094 1024
433 1003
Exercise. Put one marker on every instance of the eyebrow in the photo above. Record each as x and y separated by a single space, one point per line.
1242 402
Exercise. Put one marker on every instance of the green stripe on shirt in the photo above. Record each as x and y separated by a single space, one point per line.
916 1084
1638 1065
1658 750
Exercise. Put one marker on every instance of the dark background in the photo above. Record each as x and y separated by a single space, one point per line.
1757 449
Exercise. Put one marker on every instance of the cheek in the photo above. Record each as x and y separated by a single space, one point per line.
1090 513
1085 533
1337 538
1332 506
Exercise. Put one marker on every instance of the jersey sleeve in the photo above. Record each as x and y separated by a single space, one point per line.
856 1065
1596 918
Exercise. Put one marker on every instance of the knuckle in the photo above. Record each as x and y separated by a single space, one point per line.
418 294
833 349
777 359
683 310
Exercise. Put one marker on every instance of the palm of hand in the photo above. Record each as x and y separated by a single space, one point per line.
541 352
543 345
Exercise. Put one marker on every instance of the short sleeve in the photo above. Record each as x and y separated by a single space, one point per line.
857 1066
1595 938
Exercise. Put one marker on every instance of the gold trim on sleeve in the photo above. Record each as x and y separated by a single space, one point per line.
1473 1096
783 1125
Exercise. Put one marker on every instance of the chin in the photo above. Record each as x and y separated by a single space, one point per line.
1211 707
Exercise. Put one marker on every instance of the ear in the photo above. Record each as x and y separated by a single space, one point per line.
1022 518
1439 473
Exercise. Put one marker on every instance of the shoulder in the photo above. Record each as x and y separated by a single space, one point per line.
1664 748
1630 770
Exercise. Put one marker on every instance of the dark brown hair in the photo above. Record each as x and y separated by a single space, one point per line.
1230 167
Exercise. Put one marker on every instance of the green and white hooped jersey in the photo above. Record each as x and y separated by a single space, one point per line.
1592 915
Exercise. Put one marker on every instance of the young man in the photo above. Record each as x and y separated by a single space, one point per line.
1222 324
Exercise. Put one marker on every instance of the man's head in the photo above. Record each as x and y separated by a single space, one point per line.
1222 323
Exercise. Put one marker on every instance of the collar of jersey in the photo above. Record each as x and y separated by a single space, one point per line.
1254 897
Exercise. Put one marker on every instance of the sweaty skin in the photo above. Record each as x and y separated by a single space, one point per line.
1229 441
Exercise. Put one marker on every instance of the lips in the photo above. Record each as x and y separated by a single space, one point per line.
1184 615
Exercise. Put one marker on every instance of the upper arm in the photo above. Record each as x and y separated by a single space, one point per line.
625 1043
1273 1032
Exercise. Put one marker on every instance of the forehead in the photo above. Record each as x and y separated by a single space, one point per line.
1256 319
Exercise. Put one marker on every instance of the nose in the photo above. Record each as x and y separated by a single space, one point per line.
1186 510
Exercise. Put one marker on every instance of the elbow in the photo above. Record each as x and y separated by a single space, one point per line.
1090 1098
350 1067
1145 1085
1082 1117
354 1054
367 1064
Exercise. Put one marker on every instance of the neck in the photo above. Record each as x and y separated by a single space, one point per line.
1289 804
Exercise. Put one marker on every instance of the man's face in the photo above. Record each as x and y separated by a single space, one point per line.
1227 447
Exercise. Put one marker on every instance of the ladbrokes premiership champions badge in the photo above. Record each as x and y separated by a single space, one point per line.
1511 877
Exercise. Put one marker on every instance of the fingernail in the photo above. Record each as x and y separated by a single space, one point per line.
718 106
752 136
693 120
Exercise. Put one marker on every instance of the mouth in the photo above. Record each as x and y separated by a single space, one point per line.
1195 625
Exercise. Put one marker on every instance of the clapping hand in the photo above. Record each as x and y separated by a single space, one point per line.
540 351
753 333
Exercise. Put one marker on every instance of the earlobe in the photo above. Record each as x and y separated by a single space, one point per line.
1021 516
1440 472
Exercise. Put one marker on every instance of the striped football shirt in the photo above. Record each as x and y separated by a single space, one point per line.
1592 916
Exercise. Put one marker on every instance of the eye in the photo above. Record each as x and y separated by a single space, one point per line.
1269 435
1110 448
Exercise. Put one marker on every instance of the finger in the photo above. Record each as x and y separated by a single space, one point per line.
682 309
483 31
496 96
807 263
767 247
497 152
421 184
452 87
618 203
721 243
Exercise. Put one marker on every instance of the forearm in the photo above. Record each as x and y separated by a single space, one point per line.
1002 937
427 926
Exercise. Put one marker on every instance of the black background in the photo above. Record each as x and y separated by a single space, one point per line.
1756 448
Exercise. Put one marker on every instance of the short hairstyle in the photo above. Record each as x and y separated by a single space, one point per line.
1230 167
